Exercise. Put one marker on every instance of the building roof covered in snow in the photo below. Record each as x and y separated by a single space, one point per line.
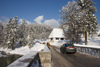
57 32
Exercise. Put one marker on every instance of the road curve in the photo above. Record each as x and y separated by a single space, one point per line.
72 60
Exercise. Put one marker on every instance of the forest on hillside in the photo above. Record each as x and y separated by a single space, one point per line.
12 33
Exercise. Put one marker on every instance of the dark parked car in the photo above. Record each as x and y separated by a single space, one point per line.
68 48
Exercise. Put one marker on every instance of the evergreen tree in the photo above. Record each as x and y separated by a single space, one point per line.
23 34
11 36
88 20
30 37
7 34
1 34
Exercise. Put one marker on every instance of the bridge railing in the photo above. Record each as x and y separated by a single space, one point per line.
89 50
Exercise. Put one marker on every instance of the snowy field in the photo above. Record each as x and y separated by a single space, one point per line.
93 43
25 49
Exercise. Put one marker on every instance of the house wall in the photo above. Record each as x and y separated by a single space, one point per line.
54 39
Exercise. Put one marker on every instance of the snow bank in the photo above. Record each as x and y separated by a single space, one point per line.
46 49
88 46
95 42
5 49
2 55
21 50
24 50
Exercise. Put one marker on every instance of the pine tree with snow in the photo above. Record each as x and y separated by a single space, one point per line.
1 34
23 34
11 36
88 20
30 37
8 34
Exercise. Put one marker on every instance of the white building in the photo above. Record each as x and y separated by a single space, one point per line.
56 35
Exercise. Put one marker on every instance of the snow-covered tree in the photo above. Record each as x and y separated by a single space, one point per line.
23 34
40 31
69 19
30 37
79 18
88 21
11 36
1 34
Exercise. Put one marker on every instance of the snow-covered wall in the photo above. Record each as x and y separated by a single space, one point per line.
89 50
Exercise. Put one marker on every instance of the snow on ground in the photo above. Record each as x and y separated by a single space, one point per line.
46 49
24 50
91 42
5 49
2 55
28 54
95 41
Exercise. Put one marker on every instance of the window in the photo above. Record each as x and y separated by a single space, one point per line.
62 38
51 38
57 38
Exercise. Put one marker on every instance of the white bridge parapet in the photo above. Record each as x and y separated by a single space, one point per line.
89 50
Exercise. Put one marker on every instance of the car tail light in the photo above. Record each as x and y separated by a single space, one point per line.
67 47
70 47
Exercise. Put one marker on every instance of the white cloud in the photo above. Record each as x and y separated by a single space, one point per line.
38 19
28 22
20 20
4 19
52 22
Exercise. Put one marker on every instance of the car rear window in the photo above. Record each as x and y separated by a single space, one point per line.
70 45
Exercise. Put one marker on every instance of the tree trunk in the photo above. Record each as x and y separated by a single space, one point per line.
72 40
73 32
85 38
13 44
77 38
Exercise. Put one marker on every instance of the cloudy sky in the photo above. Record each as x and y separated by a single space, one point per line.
39 11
